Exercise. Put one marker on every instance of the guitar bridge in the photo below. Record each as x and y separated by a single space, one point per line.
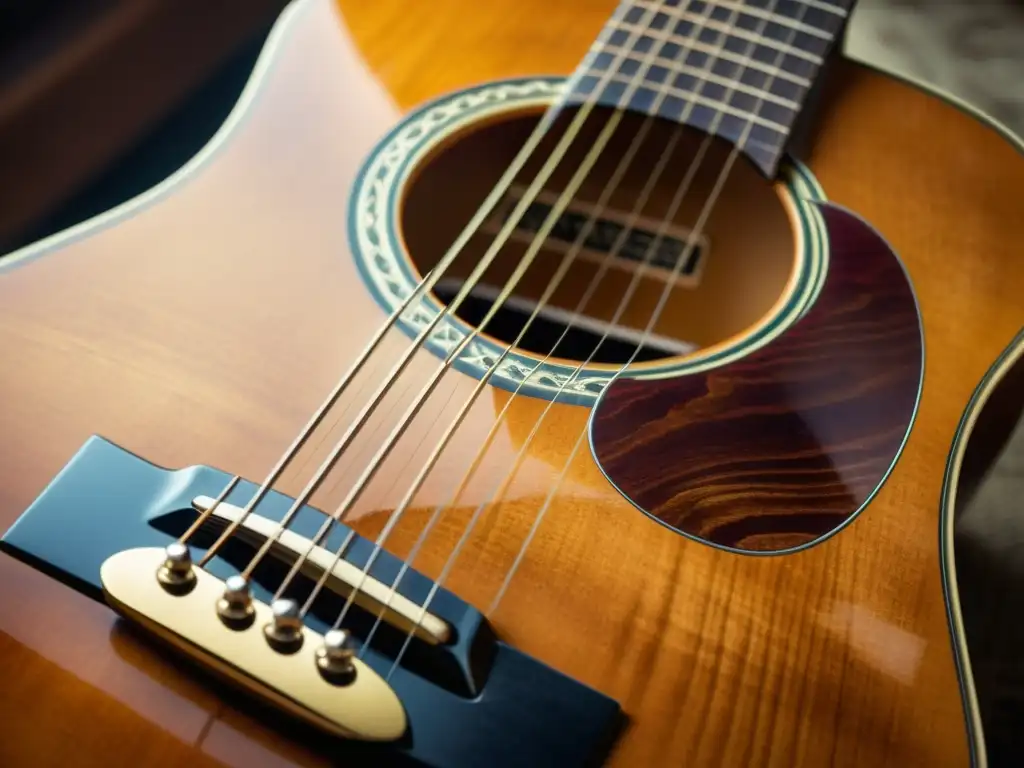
363 707
343 578
460 696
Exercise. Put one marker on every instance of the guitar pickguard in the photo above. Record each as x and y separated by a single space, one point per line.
782 448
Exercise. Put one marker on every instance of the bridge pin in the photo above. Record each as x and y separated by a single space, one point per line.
175 573
334 657
235 607
284 632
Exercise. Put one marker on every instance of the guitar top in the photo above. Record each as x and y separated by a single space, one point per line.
561 383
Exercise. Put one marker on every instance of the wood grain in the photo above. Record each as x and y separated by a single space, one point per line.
206 327
782 447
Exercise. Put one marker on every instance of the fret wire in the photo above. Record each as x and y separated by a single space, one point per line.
697 98
679 67
775 146
602 40
742 34
667 36
745 141
827 7
761 13
836 10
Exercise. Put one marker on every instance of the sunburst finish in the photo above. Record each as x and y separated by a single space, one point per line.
202 324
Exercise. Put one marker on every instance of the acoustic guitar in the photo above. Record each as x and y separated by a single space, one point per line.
517 384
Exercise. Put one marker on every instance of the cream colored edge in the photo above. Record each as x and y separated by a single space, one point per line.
981 397
949 97
241 108
371 594
366 709
194 164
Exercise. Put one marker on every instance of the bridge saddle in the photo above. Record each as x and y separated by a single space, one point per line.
182 611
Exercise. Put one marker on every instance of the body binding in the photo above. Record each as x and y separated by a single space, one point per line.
200 324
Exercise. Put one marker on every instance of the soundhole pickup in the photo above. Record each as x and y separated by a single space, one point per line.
364 707
634 242
556 331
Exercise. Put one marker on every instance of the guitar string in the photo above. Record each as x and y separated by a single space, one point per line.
421 289
595 282
695 234
430 279
336 422
550 165
374 466
296 445
294 448
360 453
471 470
357 455
734 154
610 187
500 492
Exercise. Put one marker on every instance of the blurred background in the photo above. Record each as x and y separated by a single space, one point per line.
971 48
101 99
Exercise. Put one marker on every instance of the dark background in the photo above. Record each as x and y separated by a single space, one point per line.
101 99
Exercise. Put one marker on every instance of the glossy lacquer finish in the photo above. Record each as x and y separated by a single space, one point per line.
467 702
205 327
981 563
785 445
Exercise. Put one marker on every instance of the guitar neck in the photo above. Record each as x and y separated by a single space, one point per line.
740 69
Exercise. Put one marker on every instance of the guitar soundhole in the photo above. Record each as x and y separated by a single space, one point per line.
722 280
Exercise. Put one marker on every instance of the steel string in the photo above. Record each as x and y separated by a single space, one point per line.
500 188
663 299
606 262
691 240
375 464
492 433
296 445
557 155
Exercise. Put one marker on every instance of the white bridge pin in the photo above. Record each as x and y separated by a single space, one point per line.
235 607
175 573
284 632
334 657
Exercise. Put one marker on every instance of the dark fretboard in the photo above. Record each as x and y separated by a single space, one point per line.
741 69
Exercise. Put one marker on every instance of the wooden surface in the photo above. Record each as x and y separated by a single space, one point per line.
208 326
785 445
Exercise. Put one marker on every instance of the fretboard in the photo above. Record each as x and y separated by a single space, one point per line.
741 69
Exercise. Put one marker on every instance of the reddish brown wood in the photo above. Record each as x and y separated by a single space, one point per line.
205 328
785 445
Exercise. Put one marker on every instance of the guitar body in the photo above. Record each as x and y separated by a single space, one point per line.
746 618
